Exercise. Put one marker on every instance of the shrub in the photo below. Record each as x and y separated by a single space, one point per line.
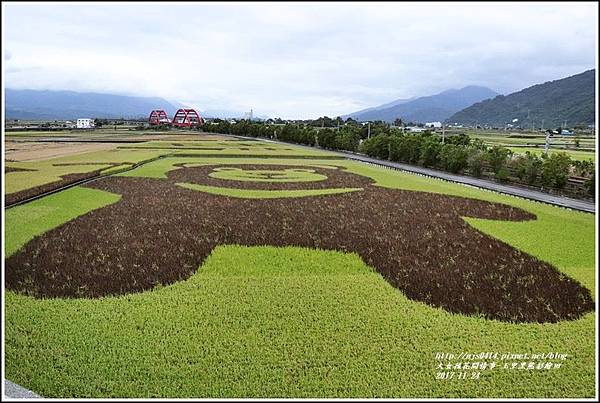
590 185
584 168
348 138
454 158
555 170
527 167
497 157
502 174
460 140
376 147
406 149
430 150
326 138
476 162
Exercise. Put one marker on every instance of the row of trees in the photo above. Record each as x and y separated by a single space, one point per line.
463 154
345 138
456 154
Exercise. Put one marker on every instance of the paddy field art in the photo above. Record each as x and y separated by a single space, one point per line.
212 266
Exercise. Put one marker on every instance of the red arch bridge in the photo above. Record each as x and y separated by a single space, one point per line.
184 117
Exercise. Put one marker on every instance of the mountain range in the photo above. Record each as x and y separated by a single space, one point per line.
570 99
431 108
60 105
40 105
551 104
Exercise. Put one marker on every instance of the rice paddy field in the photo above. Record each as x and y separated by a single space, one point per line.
216 267
576 155
577 147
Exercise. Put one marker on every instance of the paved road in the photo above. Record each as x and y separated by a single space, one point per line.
14 391
574 204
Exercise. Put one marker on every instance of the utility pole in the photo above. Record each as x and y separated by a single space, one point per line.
443 133
542 124
369 130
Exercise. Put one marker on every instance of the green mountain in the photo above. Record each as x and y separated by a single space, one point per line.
425 109
570 99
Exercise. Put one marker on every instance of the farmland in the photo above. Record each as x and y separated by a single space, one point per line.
577 147
237 268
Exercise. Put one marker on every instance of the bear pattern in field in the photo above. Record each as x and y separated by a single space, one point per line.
160 232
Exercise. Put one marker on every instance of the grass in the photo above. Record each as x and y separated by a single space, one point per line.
291 322
260 322
535 143
26 221
264 194
47 171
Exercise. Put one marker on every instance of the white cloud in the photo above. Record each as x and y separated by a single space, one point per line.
294 60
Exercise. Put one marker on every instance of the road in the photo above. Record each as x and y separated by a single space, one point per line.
14 391
517 191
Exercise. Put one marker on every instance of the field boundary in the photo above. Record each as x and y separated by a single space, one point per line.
80 182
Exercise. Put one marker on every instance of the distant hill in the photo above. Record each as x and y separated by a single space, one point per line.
431 108
40 105
570 99
380 107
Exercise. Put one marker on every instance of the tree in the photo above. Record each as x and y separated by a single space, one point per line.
430 150
461 139
406 149
454 158
376 147
555 170
527 167
497 156
476 162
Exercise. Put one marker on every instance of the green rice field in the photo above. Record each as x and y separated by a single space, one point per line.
292 322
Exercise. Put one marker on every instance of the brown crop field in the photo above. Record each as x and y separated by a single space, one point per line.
39 151
160 233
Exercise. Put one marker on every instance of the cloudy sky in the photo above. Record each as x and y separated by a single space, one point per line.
293 60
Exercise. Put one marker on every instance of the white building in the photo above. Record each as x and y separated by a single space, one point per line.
415 129
85 123
433 124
